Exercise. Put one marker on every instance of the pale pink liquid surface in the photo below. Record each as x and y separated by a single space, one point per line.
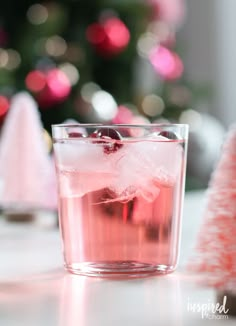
132 235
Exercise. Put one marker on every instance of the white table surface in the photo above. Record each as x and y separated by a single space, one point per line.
35 290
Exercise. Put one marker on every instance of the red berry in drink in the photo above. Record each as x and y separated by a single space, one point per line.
93 134
168 134
108 134
75 134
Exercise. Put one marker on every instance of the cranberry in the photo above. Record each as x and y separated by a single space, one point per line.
75 134
168 134
107 134
93 135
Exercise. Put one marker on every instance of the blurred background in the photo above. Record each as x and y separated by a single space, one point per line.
125 61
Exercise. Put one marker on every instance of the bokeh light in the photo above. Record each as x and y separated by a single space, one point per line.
153 105
123 115
71 72
56 90
35 81
4 105
37 14
58 84
88 90
9 59
14 59
109 37
145 44
138 120
192 118
166 63
162 31
104 105
118 34
161 120
3 58
55 46
180 95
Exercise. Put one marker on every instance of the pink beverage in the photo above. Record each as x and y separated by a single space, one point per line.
120 198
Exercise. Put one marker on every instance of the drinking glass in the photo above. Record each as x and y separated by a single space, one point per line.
121 190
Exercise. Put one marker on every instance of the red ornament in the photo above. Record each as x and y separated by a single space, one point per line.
95 34
110 37
35 81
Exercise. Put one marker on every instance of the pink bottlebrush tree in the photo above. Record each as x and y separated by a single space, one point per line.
216 248
27 179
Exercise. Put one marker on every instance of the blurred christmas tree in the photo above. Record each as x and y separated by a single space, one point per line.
98 60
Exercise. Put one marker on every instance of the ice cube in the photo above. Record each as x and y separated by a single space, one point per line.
162 157
81 155
78 184
137 169
83 167
142 166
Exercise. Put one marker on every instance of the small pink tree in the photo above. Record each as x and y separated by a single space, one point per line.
216 249
27 179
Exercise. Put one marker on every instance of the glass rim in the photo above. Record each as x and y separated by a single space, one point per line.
124 125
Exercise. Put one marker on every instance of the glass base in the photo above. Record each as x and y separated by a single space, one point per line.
118 269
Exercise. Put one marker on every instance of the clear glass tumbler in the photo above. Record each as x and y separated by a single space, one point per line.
121 190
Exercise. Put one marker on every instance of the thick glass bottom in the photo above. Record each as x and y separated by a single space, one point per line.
118 269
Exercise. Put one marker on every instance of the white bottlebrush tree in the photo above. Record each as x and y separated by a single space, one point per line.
26 171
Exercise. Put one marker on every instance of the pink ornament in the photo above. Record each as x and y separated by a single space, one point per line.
57 89
216 248
26 171
166 63
58 84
